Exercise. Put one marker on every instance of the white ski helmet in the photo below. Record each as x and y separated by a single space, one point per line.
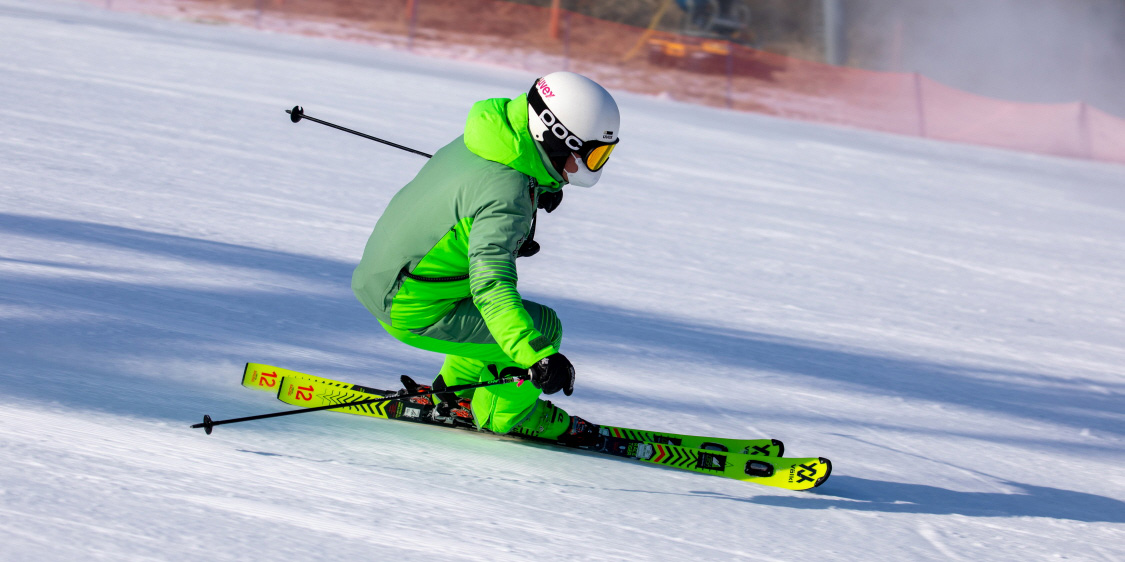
571 114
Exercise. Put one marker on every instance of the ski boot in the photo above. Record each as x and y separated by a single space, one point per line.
581 434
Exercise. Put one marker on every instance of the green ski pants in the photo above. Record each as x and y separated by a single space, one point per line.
469 349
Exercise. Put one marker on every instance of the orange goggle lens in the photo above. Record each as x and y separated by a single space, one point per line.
599 156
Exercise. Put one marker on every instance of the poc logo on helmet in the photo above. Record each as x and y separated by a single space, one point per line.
572 142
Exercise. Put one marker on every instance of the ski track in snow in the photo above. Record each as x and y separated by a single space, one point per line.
945 322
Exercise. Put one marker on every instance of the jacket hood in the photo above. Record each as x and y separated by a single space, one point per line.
496 130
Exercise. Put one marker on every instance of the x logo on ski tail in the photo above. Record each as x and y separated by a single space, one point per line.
810 473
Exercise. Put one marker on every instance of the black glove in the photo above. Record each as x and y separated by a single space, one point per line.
528 249
552 374
549 200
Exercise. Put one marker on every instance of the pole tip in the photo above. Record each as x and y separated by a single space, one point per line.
296 113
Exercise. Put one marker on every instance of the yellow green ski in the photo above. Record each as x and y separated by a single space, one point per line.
266 377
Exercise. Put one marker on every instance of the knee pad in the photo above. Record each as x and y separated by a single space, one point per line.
547 421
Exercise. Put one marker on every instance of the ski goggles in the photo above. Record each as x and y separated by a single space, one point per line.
597 156
561 142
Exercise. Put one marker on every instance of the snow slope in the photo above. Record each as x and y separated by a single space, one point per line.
946 323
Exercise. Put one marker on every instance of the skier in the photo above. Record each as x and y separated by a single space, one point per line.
439 270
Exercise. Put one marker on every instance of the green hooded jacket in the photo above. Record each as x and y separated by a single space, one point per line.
452 233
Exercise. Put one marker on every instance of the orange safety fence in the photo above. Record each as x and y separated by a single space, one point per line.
680 67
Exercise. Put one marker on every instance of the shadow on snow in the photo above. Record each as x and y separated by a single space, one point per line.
69 350
861 494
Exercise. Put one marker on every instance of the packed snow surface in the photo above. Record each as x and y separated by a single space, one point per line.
946 323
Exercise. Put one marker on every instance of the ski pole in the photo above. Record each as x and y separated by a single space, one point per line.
297 113
208 423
